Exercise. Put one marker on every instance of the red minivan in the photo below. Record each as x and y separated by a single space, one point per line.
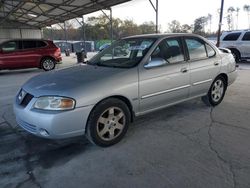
29 53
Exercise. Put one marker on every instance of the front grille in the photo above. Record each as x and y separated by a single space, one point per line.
28 97
28 127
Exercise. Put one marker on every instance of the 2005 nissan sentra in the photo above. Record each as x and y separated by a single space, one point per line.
134 76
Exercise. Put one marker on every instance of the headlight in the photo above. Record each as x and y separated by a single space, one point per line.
54 103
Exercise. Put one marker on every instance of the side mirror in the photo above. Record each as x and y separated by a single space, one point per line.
155 62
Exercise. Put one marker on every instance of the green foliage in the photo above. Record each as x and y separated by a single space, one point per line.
98 28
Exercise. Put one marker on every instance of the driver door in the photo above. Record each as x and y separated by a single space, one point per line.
160 86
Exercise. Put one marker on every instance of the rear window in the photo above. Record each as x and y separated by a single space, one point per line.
29 44
232 37
246 36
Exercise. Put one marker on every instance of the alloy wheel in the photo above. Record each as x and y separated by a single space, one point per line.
111 123
217 90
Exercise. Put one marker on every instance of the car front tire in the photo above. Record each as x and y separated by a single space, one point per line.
216 92
108 122
48 64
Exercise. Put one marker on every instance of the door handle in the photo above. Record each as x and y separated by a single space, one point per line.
216 63
184 70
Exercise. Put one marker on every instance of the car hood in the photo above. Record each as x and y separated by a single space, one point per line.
71 81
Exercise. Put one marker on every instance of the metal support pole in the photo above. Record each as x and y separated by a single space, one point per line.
84 33
21 35
220 23
65 33
156 9
156 27
110 17
111 25
51 33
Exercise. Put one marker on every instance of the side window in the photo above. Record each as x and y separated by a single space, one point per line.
231 37
40 44
27 44
10 46
196 49
170 50
246 37
210 51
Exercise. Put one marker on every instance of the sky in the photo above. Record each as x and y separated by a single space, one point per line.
185 11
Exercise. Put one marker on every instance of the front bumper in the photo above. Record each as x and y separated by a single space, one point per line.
58 124
232 77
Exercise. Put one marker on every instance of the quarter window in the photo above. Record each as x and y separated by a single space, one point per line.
232 37
40 44
196 49
210 51
246 36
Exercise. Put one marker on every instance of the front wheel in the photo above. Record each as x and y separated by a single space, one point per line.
108 122
48 64
216 92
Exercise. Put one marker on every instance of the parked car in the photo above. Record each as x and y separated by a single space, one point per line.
29 53
238 42
101 98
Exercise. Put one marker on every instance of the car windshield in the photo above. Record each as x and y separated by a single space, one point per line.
125 53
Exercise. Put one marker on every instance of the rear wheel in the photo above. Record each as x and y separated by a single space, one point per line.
216 92
48 64
108 122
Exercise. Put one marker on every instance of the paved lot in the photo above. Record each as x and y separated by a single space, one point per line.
188 145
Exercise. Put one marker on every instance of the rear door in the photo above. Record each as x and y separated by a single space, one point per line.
204 65
168 84
8 55
30 53
245 46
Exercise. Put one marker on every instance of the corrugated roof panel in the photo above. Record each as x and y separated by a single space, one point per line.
56 12
80 2
49 12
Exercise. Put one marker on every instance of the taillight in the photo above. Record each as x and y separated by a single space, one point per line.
58 52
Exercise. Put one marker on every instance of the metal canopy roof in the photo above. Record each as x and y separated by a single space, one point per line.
41 13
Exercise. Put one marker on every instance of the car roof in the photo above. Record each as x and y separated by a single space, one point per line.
25 39
157 36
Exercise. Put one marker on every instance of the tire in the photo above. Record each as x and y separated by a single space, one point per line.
48 64
108 122
216 92
236 55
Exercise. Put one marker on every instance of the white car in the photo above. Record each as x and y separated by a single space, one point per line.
238 42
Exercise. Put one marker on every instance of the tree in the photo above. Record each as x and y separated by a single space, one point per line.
230 20
185 28
237 17
247 9
209 19
147 28
174 26
199 25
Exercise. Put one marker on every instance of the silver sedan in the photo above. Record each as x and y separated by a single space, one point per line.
134 76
